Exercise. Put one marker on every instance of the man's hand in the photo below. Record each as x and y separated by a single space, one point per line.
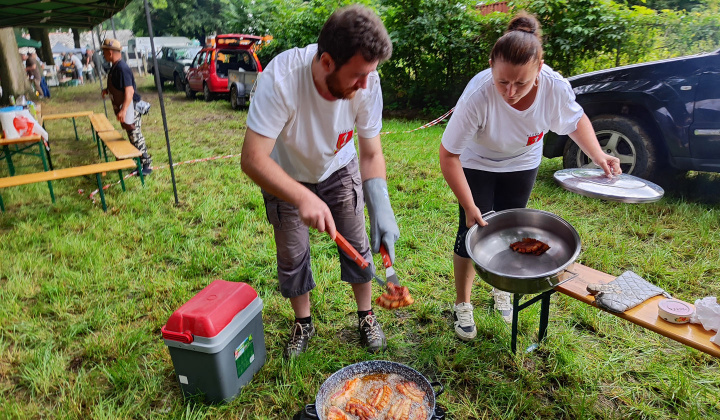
383 227
104 93
316 214
121 115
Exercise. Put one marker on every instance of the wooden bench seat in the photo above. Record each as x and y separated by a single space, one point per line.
119 147
644 315
101 123
75 114
57 174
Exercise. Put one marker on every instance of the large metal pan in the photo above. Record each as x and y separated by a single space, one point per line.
371 367
505 269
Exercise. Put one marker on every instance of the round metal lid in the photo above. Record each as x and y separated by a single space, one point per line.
623 188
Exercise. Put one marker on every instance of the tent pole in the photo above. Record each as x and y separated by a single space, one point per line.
160 96
97 71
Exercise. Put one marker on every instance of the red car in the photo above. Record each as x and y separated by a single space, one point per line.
209 70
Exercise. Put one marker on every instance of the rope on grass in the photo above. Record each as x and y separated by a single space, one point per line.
134 173
105 187
430 124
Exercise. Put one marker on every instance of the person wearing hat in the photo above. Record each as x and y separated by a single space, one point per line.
32 68
124 96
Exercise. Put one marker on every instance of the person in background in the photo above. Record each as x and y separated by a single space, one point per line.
88 64
299 149
32 68
492 146
97 60
77 62
41 65
123 95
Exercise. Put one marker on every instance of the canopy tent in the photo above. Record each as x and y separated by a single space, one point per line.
80 14
27 42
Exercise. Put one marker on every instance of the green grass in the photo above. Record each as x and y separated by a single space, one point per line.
85 293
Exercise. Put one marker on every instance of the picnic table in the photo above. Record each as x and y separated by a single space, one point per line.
65 115
24 146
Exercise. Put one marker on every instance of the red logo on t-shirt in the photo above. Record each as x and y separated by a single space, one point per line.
534 139
343 139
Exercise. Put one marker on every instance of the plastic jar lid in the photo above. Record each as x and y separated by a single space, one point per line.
675 311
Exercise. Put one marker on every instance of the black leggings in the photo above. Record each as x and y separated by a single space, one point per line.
494 191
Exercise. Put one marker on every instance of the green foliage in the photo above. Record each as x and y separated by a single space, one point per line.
438 46
192 18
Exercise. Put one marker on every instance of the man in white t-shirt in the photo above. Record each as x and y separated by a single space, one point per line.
299 149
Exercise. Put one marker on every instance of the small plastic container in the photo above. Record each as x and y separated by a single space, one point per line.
675 311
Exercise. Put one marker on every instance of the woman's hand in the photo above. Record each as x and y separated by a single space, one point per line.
608 163
474 216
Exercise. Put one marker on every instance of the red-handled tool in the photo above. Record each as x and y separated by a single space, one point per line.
350 250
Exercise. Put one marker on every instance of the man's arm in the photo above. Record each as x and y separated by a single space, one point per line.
256 162
372 161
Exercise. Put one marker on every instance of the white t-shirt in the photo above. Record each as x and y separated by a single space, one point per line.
314 136
490 135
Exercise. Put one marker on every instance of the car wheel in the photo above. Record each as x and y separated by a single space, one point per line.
623 138
189 93
208 96
233 98
178 83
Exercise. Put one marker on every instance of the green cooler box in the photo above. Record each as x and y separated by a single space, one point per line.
216 340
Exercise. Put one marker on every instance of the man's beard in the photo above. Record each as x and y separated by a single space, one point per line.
333 85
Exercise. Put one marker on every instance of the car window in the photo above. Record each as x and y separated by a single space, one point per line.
160 54
185 53
199 59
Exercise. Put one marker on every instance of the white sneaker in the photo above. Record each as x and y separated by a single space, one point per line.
503 304
464 321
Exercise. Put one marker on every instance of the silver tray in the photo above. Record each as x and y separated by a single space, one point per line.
623 188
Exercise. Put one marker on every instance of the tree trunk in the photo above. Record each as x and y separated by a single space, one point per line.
13 78
76 37
45 51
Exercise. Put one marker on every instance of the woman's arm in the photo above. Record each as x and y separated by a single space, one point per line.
585 138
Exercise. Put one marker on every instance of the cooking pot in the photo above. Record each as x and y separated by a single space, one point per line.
510 271
371 367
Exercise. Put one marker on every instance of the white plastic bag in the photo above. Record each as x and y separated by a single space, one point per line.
37 128
707 313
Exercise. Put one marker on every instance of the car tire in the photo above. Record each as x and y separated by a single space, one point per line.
178 83
621 137
207 95
189 93
233 98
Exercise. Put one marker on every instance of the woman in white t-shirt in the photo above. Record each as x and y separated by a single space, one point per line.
492 147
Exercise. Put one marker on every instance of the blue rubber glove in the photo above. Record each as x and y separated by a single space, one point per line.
383 227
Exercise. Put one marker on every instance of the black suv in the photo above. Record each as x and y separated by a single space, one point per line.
658 118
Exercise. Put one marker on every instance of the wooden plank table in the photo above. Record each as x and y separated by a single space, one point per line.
20 145
644 315
65 115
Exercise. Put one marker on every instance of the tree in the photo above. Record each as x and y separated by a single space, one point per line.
45 51
192 18
13 78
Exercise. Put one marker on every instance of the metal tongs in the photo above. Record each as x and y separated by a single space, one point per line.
359 260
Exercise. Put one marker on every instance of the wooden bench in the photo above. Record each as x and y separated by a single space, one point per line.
100 123
644 315
121 149
73 115
49 176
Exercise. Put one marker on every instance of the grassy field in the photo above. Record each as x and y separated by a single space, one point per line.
85 293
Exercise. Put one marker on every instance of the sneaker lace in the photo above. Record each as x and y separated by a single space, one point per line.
371 327
296 337
465 316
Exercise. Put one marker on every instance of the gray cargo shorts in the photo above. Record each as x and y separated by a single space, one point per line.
342 192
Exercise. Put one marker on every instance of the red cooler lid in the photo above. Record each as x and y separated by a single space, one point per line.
208 312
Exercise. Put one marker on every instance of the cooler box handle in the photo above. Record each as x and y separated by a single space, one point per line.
183 337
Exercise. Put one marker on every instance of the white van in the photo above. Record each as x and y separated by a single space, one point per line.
139 47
